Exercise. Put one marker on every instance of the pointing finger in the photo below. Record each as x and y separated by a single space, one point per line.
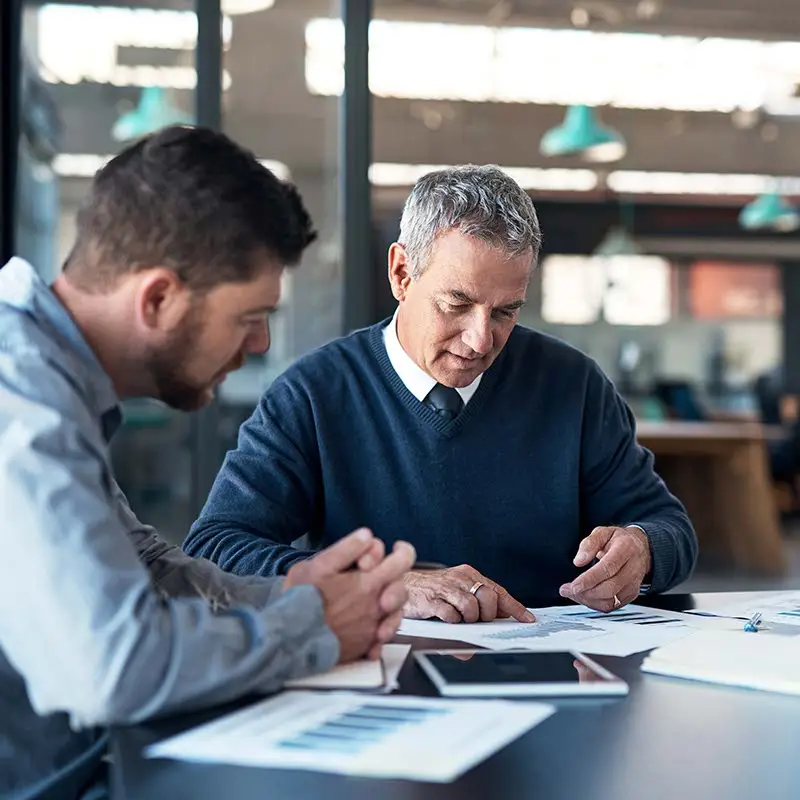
507 606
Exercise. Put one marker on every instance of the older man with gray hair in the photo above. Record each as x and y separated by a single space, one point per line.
505 456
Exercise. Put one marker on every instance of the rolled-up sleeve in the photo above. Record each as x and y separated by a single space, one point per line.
80 619
175 574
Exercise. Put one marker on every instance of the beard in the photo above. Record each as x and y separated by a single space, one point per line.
168 366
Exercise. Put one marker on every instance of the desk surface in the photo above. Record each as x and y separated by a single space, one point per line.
668 740
719 431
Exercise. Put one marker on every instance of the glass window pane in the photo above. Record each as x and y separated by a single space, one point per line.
637 290
572 290
95 78
270 109
626 290
108 74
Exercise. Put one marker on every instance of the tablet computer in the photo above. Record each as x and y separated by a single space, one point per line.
517 673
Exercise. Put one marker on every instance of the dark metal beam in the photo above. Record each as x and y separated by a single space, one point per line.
208 63
790 278
204 425
10 70
355 148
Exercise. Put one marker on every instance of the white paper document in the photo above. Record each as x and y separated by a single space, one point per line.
417 738
628 630
779 610
734 658
376 676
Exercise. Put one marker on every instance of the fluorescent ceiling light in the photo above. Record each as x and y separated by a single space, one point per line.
619 181
78 165
695 183
530 178
568 180
234 7
85 165
82 43
557 67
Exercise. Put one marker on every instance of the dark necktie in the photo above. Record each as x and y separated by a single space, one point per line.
446 401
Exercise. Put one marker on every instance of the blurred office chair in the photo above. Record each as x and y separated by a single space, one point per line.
680 400
776 408
768 390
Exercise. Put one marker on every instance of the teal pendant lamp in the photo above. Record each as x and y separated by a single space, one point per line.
618 242
153 112
769 211
581 134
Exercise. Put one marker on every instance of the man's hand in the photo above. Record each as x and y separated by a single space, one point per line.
445 593
624 561
363 606
359 549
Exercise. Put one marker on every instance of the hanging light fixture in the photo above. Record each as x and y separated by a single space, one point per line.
153 112
769 211
235 7
619 239
581 134
618 242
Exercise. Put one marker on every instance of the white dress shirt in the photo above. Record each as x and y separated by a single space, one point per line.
416 380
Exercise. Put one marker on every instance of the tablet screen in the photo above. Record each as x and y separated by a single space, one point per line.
510 668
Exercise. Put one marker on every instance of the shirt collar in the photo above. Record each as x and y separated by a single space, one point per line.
416 380
23 288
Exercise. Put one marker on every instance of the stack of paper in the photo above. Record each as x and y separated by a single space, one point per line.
381 737
736 658
776 609
376 676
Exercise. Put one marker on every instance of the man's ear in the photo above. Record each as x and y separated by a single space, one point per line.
399 271
162 301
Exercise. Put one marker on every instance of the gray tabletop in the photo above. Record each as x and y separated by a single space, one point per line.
668 740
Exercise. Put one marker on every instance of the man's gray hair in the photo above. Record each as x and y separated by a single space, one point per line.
479 201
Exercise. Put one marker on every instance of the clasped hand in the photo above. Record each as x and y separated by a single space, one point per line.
362 590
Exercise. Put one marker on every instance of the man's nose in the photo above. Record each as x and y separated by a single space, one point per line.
258 341
478 336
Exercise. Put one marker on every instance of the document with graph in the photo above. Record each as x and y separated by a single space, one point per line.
778 609
628 630
417 738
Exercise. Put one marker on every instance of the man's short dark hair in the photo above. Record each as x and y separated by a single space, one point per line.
191 200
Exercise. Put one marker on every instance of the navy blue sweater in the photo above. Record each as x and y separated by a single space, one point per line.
544 452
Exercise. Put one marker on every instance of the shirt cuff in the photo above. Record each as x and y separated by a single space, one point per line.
645 587
312 644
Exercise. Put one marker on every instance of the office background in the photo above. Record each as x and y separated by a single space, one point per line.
676 264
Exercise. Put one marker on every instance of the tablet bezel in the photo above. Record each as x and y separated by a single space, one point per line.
611 685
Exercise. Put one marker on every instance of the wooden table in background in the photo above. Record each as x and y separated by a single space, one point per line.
719 471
